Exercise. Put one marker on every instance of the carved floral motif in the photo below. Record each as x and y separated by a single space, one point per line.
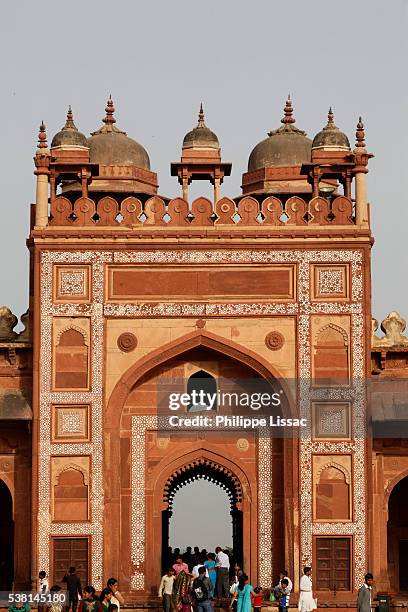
274 340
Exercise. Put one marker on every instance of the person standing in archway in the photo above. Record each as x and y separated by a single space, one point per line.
212 572
166 589
202 591
180 566
222 563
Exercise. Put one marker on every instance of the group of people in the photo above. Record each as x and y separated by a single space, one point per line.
77 599
195 579
185 586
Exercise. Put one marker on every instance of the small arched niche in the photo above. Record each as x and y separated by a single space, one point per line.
332 494
331 356
71 360
202 389
71 495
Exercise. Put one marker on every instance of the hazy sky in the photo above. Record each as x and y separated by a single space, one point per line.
160 59
201 517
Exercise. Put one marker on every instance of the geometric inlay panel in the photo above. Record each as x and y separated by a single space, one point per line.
330 282
70 424
71 284
331 420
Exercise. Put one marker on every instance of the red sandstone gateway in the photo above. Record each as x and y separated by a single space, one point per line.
130 291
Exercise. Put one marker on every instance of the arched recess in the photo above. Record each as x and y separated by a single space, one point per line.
118 436
397 536
197 382
332 494
70 494
331 356
200 338
203 464
71 356
6 537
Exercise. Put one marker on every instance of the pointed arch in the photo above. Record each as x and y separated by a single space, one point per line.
199 338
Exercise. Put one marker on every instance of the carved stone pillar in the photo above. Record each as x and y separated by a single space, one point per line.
42 161
361 199
217 187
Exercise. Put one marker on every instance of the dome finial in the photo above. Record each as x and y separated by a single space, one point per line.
42 137
330 118
201 122
70 119
360 135
110 109
288 118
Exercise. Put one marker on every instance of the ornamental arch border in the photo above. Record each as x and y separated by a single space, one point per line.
391 486
163 474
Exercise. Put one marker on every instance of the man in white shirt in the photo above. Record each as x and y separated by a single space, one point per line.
166 589
222 564
195 571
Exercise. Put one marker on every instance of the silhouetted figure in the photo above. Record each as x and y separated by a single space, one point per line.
73 589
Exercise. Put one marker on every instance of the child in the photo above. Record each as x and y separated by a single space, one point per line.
42 582
55 605
19 607
257 599
284 593
42 588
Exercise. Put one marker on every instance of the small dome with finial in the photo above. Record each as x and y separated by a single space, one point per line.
330 138
111 146
69 136
286 146
201 137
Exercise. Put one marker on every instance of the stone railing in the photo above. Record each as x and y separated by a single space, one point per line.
271 212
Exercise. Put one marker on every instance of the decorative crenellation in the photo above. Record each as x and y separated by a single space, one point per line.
96 311
224 214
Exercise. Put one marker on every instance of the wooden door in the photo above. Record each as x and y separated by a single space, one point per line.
332 564
70 552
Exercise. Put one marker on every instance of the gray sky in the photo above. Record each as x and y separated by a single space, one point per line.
201 517
159 59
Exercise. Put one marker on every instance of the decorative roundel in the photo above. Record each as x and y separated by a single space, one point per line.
274 340
242 444
200 323
127 342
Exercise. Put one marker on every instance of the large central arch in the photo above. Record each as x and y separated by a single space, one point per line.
118 500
